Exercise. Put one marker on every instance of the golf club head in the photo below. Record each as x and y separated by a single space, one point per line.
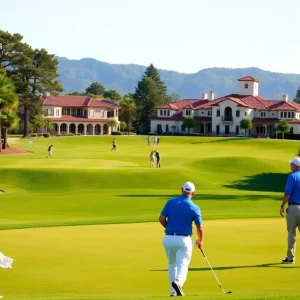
229 292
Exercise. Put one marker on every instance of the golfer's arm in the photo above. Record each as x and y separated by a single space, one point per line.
285 200
163 221
200 232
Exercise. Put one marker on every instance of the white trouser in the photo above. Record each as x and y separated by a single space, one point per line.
179 253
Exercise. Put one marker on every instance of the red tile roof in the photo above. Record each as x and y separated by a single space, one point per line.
248 78
76 119
181 104
77 101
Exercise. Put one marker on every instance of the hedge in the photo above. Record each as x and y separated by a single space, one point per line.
116 133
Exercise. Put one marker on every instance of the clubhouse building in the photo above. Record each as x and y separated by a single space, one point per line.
80 114
222 116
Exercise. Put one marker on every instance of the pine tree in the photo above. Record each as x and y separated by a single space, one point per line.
297 98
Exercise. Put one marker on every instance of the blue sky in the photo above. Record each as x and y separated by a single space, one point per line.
180 35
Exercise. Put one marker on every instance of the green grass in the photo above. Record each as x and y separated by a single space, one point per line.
239 185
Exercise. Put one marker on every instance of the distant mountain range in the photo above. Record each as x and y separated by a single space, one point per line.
77 75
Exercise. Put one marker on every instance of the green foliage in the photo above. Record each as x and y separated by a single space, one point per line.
35 78
116 133
112 123
174 97
123 125
246 124
297 97
127 111
283 127
112 95
189 123
150 92
95 88
8 103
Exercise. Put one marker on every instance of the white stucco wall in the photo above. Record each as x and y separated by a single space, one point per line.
251 90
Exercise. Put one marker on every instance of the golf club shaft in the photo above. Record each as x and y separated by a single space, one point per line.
212 270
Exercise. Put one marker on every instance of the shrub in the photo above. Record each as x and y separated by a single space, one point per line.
40 134
70 134
116 133
33 134
152 133
46 135
78 133
194 134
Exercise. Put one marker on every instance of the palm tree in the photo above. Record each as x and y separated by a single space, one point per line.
112 123
9 120
127 111
8 98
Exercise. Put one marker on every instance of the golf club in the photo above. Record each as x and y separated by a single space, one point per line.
229 292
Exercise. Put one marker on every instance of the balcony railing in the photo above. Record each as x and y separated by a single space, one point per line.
227 118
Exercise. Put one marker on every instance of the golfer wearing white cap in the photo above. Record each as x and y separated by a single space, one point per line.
292 198
177 218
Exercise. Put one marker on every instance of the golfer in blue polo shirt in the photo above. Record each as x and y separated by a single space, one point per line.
292 198
177 218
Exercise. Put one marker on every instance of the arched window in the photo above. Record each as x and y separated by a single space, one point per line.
246 85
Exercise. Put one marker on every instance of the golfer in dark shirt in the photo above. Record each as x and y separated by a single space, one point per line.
50 151
177 217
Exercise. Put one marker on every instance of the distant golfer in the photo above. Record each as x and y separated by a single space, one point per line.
292 198
157 154
149 141
177 217
152 159
114 146
158 140
50 151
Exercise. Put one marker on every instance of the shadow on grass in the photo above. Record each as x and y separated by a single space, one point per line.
222 140
208 197
272 265
265 182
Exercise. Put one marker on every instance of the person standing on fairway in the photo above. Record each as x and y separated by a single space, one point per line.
114 146
177 218
157 154
50 151
292 198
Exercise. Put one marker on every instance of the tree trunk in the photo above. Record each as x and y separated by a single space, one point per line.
5 144
0 134
26 121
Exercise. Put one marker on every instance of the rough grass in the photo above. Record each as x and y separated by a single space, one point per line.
239 186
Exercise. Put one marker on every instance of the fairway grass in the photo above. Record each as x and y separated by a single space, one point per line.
128 262
66 220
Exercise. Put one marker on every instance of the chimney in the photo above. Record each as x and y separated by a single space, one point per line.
204 96
211 96
285 97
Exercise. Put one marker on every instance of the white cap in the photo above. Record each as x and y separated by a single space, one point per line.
189 187
295 161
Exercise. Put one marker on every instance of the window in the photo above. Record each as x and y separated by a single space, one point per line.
159 130
161 112
245 113
263 113
218 113
281 114
78 112
202 112
165 112
292 115
46 112
285 114
52 112
209 113
168 113
73 112
237 130
167 127
291 129
102 113
187 112
57 112
237 113
246 85
85 113
182 128
92 113
289 114
218 129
